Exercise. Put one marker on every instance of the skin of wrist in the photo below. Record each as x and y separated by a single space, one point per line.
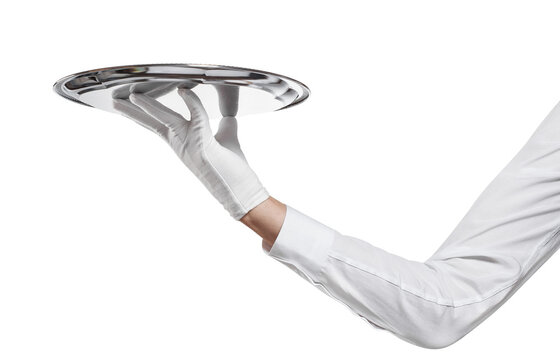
266 220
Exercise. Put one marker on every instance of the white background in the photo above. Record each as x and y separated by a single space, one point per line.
111 249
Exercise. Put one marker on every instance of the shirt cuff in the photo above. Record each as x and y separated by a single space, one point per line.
303 242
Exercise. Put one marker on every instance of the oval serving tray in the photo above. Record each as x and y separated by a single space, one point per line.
259 91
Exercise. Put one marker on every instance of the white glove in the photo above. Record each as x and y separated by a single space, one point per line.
216 160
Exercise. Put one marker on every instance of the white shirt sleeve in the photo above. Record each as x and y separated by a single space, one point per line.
509 232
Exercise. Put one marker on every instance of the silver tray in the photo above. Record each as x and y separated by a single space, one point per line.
259 91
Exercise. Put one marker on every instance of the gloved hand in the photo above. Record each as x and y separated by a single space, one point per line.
217 160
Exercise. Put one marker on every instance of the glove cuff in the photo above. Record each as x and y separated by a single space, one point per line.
237 211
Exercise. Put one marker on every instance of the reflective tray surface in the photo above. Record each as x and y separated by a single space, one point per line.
259 91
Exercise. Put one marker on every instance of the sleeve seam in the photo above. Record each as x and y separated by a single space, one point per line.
439 301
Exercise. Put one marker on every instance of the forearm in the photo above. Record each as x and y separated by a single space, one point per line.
266 220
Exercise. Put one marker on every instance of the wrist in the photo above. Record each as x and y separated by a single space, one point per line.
266 220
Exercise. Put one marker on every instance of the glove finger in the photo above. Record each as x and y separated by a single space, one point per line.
165 88
228 97
160 90
199 118
227 135
135 113
163 114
